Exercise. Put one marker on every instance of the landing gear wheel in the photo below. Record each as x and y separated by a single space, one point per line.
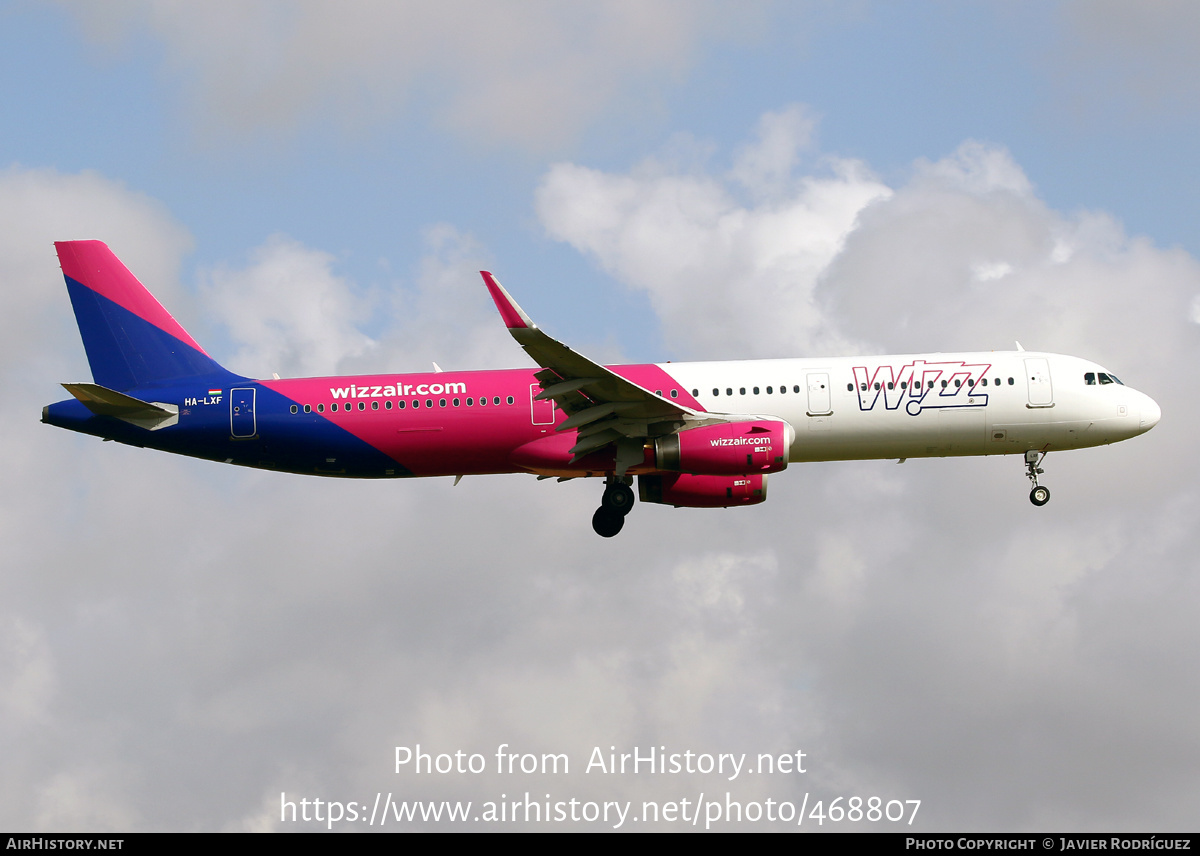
1039 496
607 522
618 498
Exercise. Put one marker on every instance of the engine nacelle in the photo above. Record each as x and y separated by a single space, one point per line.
728 449
684 490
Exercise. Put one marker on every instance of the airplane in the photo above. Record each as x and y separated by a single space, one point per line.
696 435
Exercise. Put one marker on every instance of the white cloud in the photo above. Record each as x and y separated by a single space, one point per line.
919 631
288 312
934 616
534 76
41 206
727 277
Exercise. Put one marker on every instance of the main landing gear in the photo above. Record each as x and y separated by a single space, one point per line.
617 502
1039 496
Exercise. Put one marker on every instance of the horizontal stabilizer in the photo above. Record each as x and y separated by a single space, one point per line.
102 401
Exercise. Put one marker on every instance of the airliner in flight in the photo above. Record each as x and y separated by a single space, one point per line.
696 435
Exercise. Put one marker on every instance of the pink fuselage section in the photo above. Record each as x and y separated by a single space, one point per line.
457 423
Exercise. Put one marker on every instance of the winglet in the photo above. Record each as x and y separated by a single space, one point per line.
514 317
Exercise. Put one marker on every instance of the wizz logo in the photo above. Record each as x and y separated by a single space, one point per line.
922 385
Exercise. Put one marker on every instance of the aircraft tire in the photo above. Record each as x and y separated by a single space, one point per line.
1039 496
618 498
607 521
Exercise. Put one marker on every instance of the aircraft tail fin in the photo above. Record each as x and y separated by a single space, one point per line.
130 339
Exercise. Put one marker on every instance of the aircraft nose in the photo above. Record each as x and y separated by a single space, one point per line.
1151 413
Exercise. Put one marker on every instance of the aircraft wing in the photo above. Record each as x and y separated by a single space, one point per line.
605 407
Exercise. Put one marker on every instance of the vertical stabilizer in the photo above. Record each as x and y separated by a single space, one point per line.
130 339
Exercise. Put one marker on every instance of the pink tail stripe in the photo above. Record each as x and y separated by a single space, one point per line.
93 264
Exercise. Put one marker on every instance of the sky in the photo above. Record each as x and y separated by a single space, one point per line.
311 188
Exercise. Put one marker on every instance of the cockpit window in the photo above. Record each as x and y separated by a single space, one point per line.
1089 378
1108 378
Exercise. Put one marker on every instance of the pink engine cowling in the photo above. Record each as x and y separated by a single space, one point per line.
728 449
689 491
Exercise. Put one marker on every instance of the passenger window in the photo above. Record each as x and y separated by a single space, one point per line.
374 405
295 409
891 385
307 408
728 390
770 390
756 390
1011 381
741 390
362 405
796 388
510 400
441 402
320 408
944 384
400 404
456 402
674 393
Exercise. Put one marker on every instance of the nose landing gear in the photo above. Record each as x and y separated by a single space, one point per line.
616 503
1039 496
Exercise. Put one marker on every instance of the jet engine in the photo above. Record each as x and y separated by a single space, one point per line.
684 490
727 449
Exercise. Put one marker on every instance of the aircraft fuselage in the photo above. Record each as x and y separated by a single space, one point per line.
466 423
699 435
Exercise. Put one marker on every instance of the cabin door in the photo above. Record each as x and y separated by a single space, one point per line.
818 394
1037 375
541 412
241 412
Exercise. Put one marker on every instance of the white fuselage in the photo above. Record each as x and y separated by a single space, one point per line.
986 403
